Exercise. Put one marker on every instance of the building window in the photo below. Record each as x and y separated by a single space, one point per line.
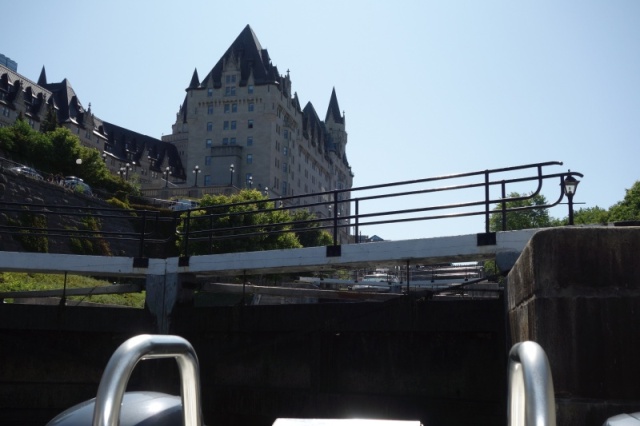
232 141
233 125
225 125
209 109
231 78
250 89
285 151
284 188
251 107
207 180
209 126
210 92
249 158
250 124
249 140
207 160
227 108
230 91
284 167
209 144
225 141
234 107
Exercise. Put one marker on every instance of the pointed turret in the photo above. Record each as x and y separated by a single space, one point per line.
333 112
42 80
195 81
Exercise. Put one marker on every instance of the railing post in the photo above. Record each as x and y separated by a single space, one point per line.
335 218
186 233
356 226
142 233
504 206
486 201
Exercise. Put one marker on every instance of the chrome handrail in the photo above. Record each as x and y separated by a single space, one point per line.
531 395
116 375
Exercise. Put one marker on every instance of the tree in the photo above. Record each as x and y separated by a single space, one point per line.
591 216
307 233
629 207
523 219
246 221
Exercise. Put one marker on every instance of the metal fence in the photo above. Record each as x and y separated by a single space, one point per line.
204 226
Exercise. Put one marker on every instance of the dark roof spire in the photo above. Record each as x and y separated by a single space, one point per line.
334 110
42 80
195 81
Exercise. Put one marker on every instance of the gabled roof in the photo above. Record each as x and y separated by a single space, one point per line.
68 103
124 143
334 110
253 60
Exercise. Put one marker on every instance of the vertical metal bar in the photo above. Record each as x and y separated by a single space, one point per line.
210 233
408 279
486 201
186 233
357 233
504 206
142 233
335 218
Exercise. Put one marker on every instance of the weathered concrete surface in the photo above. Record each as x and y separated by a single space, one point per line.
576 291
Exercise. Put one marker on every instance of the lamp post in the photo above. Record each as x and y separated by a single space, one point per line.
266 191
231 170
124 171
250 182
570 186
104 157
196 170
166 176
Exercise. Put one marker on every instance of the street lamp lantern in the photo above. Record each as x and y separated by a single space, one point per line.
231 170
266 191
166 176
196 170
250 182
570 186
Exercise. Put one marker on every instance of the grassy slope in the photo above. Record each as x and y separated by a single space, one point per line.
13 281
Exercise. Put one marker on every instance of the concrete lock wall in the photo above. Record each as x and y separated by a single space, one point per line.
439 362
576 292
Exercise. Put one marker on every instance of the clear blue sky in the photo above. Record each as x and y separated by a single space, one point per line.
429 88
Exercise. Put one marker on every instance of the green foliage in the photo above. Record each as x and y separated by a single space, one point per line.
591 216
14 281
249 226
312 237
116 202
629 207
523 219
56 152
30 242
50 122
89 246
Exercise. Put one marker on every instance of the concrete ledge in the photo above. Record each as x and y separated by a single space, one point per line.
576 292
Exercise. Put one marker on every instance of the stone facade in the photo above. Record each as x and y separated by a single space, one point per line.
244 113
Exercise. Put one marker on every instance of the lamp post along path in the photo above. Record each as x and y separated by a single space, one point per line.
196 170
570 185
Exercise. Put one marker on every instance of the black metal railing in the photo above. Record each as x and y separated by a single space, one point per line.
348 209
